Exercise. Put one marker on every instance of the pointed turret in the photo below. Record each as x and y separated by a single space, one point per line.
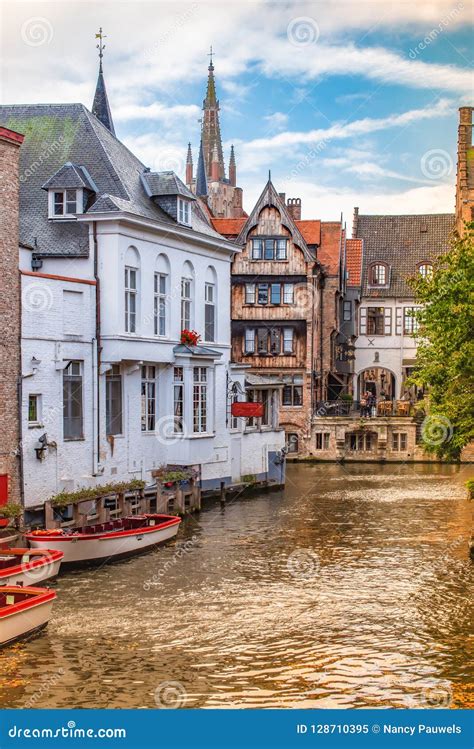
232 167
189 167
100 105
215 164
211 131
201 179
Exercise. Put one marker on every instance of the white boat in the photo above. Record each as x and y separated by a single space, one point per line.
28 566
107 541
23 611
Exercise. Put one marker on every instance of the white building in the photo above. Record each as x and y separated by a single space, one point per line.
115 262
395 249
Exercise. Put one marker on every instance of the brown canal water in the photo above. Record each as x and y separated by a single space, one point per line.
348 589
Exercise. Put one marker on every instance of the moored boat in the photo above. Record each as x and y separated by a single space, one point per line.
23 611
28 566
107 541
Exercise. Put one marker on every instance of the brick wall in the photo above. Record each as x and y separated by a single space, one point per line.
9 311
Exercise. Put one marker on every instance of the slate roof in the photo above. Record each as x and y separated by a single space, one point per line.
165 183
100 105
59 133
402 242
354 261
71 176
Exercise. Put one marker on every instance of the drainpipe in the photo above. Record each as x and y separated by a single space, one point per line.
96 354
321 284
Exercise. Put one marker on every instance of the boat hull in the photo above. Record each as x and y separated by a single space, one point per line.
34 571
106 547
19 624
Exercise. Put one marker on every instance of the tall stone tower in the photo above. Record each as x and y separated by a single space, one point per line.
210 183
465 170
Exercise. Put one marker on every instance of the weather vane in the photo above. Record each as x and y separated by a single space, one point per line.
101 46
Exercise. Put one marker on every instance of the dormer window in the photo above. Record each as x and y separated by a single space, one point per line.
69 190
425 270
378 274
65 202
184 212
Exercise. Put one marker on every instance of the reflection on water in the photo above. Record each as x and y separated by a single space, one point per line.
349 589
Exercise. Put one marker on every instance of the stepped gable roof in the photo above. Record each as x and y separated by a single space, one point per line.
402 242
57 134
354 261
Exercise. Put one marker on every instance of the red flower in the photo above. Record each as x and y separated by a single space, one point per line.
190 337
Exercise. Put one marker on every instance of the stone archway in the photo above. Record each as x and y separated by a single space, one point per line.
379 381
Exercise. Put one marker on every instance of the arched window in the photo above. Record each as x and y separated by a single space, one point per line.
425 270
187 296
131 289
210 305
378 274
161 296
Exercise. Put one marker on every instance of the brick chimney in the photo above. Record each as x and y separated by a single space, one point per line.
465 171
294 208
355 222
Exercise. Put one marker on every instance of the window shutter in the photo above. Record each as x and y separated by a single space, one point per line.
388 321
363 321
275 341
399 321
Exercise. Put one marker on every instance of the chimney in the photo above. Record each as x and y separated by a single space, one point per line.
232 168
294 208
464 194
355 223
189 167
282 196
215 165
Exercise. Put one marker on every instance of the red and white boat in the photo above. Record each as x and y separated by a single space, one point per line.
28 566
23 611
106 541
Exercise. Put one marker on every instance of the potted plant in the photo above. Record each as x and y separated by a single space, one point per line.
12 511
190 337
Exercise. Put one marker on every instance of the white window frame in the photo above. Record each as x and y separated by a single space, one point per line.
250 292
113 376
38 407
184 212
288 293
178 398
76 372
131 295
425 269
200 400
149 398
413 322
288 340
160 305
249 338
186 303
210 305
65 199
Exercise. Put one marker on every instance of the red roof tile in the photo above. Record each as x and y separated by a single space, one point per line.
229 227
311 231
354 261
328 252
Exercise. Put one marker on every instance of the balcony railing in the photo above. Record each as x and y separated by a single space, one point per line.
353 409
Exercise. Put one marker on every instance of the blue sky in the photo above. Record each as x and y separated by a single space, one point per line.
348 103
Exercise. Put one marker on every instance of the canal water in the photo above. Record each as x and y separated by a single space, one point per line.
349 589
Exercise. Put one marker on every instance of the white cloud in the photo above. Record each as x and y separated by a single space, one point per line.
164 113
277 120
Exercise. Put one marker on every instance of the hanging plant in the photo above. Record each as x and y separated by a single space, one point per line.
95 492
11 510
190 337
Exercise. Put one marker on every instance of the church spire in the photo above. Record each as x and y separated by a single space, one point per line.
100 105
201 179
211 130
189 167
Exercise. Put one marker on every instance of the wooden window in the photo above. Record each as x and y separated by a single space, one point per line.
360 441
159 309
281 245
199 400
375 321
387 330
399 441
363 321
72 401
275 293
178 400
378 274
262 293
34 409
113 401
398 321
347 311
322 440
148 420
410 323
275 341
257 249
210 312
288 293
293 390
287 340
249 343
292 442
262 340
425 270
249 293
269 249
65 202
131 293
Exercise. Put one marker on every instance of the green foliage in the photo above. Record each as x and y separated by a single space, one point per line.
445 356
470 488
96 492
347 397
11 510
166 474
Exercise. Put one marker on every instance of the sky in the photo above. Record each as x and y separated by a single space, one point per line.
347 103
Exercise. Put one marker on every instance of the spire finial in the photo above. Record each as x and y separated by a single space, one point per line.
269 175
210 57
101 46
